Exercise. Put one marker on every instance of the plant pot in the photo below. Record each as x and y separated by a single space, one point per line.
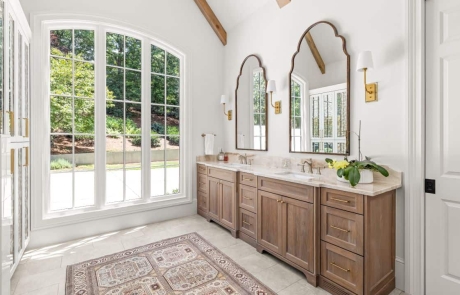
367 176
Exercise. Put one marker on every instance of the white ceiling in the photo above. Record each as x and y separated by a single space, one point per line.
232 12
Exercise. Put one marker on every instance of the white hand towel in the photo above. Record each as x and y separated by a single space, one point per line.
241 141
209 144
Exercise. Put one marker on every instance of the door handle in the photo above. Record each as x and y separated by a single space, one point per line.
27 127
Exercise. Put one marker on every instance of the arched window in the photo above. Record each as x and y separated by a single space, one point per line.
115 99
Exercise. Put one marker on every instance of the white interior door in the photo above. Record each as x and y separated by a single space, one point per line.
443 146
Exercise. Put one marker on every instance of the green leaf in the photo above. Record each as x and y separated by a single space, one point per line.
340 172
329 161
354 176
346 172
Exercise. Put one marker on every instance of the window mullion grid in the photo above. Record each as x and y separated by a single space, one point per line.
146 120
165 170
73 119
100 120
124 118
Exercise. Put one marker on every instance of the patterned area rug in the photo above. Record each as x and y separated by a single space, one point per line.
183 265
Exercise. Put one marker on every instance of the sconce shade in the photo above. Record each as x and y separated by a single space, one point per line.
271 87
224 99
365 61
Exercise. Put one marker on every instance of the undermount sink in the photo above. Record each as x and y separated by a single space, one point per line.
295 175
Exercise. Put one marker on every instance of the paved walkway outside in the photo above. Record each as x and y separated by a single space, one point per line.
61 186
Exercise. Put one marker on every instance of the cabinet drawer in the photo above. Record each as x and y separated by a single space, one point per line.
202 183
203 203
248 198
200 168
342 267
222 174
248 179
342 228
248 223
288 189
342 200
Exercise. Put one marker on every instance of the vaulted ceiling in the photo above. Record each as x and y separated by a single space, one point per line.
232 12
223 15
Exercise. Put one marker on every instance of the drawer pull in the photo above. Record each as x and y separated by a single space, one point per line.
279 201
203 183
341 268
339 200
248 179
247 198
341 229
247 223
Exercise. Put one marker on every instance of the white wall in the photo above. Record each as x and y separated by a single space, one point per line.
377 25
181 24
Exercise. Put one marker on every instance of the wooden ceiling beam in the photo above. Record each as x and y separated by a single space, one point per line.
212 20
315 52
282 3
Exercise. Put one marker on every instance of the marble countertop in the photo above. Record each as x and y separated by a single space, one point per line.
328 179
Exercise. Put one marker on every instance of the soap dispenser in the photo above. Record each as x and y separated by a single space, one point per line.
221 156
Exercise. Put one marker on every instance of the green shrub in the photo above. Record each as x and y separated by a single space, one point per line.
175 139
154 140
159 128
59 164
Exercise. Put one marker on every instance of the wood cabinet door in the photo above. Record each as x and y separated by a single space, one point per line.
269 229
298 232
228 204
213 194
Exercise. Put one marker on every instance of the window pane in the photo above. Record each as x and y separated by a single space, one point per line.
84 44
114 166
341 114
84 115
158 60
172 91
173 65
158 89
158 119
61 76
262 102
133 85
61 43
115 80
114 117
133 53
172 120
84 177
157 174
328 113
61 114
84 79
172 167
133 159
61 176
115 49
133 118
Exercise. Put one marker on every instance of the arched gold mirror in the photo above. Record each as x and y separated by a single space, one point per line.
320 93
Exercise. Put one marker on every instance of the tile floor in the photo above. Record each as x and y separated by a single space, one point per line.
42 271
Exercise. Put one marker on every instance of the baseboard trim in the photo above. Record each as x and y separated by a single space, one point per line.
400 273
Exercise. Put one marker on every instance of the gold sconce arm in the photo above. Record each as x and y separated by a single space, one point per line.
276 105
228 114
370 89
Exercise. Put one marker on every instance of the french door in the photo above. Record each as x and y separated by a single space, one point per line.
443 147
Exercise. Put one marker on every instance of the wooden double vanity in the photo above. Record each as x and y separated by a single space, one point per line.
342 241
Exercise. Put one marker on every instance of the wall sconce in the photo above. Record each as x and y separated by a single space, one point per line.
271 87
224 100
365 62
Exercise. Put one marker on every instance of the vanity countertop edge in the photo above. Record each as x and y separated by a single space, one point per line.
379 186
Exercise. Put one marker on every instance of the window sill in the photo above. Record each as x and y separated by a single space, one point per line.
77 216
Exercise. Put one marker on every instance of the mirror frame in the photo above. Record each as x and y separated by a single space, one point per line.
236 105
344 47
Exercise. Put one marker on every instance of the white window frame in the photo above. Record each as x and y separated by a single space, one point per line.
262 136
321 92
302 85
40 122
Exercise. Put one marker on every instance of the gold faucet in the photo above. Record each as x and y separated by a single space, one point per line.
243 159
310 166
